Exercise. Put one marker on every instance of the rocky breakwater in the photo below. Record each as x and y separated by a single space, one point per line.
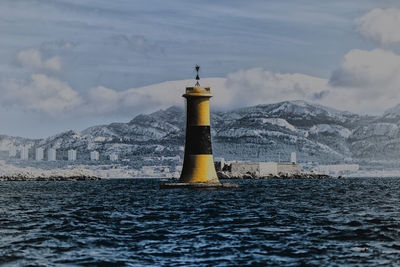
22 177
248 175
11 173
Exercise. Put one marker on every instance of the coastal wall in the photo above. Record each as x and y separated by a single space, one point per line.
245 167
288 168
268 168
262 169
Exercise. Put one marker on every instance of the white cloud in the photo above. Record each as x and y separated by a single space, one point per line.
32 58
360 68
244 88
53 64
102 101
40 94
105 101
258 86
381 26
170 93
239 89
367 81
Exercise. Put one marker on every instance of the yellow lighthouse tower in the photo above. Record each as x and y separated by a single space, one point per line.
198 165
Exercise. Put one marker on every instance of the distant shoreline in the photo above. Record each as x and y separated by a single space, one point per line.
22 178
229 175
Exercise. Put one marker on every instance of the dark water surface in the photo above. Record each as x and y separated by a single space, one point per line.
264 222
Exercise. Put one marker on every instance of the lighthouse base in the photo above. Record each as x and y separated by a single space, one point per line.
198 185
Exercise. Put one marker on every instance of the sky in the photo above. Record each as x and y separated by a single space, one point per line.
72 64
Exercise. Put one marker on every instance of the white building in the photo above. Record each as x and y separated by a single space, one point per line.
71 155
94 155
51 154
293 158
113 157
39 153
12 151
24 153
262 169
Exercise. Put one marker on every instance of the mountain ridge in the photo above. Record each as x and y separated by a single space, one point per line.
261 132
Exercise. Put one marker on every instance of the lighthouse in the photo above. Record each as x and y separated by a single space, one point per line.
198 165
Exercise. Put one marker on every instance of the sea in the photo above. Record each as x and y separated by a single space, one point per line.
270 222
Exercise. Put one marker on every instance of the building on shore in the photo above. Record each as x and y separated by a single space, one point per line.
39 154
71 155
113 157
24 153
51 154
293 157
94 155
262 169
12 151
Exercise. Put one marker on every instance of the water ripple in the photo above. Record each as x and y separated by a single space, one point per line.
263 222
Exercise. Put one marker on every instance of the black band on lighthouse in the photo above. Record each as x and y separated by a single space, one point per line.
198 140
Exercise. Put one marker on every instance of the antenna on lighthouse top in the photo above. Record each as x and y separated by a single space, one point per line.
197 76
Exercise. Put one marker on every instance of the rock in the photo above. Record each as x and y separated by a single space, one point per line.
223 175
20 177
229 175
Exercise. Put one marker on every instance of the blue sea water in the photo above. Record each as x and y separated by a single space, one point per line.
273 222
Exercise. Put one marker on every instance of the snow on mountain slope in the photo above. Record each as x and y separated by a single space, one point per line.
301 113
330 129
259 132
279 122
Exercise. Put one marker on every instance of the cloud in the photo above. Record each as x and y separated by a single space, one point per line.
381 26
370 80
361 69
259 86
105 101
52 97
243 88
366 81
32 58
170 93
239 89
40 94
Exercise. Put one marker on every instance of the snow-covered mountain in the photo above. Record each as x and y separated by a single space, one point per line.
271 132
379 139
263 132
